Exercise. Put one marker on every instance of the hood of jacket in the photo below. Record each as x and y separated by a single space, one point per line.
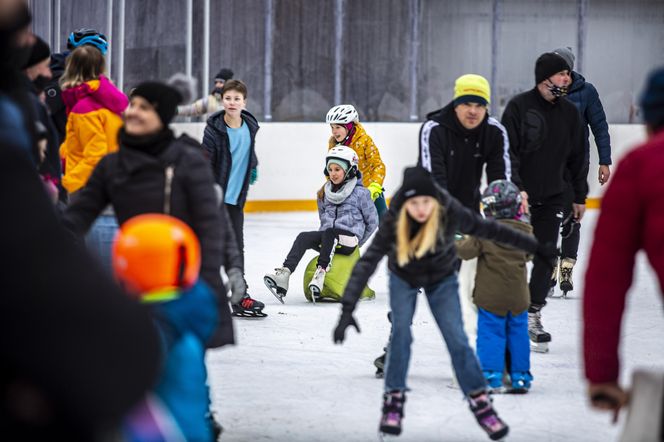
578 81
58 62
94 95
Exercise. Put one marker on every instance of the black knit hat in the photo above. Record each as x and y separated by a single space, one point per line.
417 181
162 97
40 52
548 64
652 99
224 75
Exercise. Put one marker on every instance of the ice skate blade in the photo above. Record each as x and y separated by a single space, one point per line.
539 347
272 287
388 433
248 315
380 374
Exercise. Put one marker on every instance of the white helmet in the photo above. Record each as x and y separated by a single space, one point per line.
345 154
342 114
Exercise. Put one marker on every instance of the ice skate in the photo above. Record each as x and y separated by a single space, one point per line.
539 339
565 276
487 417
495 381
277 282
249 308
316 284
379 363
390 423
521 381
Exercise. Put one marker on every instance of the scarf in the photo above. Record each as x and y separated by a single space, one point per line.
340 195
152 144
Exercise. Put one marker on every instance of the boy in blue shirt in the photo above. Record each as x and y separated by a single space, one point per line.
229 141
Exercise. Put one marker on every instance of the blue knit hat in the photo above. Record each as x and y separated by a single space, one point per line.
652 99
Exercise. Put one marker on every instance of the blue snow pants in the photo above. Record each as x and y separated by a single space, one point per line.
496 333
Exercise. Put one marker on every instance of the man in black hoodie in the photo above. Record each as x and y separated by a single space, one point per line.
456 142
546 140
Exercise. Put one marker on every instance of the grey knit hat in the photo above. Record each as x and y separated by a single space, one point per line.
567 54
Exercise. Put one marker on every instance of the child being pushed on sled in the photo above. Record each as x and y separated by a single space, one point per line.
347 215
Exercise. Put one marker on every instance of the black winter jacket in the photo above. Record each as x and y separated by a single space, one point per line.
435 266
455 156
546 139
135 183
53 93
217 147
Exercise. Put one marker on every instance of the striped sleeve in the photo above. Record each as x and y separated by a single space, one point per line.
425 148
502 160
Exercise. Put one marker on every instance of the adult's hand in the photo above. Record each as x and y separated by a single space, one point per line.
604 173
578 210
608 396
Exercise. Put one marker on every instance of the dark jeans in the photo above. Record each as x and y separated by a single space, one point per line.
571 229
236 216
381 206
325 241
545 216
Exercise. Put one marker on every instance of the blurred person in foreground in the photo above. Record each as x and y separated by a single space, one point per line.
631 219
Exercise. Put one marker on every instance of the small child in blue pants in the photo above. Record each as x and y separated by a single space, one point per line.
501 293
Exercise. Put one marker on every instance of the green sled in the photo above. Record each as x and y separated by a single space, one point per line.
336 279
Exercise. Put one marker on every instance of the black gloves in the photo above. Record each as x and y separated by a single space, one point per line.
547 252
345 321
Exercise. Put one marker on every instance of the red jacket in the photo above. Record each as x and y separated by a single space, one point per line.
632 218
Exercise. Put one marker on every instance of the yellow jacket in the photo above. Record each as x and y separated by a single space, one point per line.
371 165
94 117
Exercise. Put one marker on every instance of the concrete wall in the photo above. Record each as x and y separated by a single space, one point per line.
292 155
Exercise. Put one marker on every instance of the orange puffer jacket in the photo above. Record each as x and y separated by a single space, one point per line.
370 164
94 111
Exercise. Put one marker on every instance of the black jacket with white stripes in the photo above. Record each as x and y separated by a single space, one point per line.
456 156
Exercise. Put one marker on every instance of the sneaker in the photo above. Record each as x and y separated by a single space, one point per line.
393 402
494 379
565 276
521 381
277 282
316 284
487 417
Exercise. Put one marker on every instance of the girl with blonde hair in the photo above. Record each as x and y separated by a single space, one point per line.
417 235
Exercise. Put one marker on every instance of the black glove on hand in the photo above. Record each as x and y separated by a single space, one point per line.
548 252
345 321
238 286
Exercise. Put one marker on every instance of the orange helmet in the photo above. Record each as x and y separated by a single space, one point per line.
156 252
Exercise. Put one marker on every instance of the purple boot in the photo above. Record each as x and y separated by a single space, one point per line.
390 423
480 405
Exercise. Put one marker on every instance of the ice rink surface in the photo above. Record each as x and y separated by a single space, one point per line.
287 381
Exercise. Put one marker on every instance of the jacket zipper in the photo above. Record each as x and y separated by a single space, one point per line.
336 213
167 189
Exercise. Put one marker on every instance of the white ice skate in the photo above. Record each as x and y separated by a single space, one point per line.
539 339
277 282
316 284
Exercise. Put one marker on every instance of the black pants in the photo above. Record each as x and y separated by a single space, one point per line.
236 216
546 217
571 229
323 241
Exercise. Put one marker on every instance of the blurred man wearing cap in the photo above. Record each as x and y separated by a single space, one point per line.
631 219
546 142
211 103
586 99
456 142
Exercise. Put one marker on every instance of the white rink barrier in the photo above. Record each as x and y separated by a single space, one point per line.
291 159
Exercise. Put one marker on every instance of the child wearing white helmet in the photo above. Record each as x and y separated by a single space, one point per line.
347 130
347 219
